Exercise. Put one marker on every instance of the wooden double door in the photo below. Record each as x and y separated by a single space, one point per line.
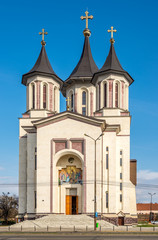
71 204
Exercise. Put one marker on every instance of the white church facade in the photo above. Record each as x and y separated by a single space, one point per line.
57 149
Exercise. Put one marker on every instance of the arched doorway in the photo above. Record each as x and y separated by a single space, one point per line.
70 171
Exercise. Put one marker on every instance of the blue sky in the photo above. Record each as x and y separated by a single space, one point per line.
136 47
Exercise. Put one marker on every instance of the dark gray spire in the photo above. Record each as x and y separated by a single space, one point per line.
112 65
86 66
112 61
41 67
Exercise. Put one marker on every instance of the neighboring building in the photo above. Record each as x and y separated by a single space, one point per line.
56 159
145 208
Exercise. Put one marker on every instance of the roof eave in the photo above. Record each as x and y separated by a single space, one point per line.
71 80
124 73
28 75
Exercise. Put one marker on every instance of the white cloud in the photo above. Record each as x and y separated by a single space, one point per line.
147 183
1 168
147 175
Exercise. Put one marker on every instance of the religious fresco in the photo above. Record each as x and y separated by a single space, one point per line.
71 175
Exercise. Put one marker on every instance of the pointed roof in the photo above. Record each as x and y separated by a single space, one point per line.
41 67
86 66
112 61
112 65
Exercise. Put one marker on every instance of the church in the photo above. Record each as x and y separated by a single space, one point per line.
77 161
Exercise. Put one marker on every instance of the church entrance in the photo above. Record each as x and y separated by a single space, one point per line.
71 205
121 221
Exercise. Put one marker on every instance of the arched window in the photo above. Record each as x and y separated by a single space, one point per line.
55 99
72 102
33 96
44 96
84 103
116 94
105 95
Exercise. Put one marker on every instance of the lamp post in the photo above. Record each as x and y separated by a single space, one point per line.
95 182
151 194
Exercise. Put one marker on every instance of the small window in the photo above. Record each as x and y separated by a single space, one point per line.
83 98
120 186
35 149
121 152
107 202
120 175
35 162
121 162
107 149
72 102
105 95
33 96
107 161
44 96
84 110
120 197
35 196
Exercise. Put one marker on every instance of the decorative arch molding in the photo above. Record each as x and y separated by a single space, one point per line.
64 152
53 161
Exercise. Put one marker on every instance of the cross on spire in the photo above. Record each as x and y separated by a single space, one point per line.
112 31
86 17
43 33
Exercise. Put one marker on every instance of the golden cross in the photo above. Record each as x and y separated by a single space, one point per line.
43 33
86 17
68 100
112 31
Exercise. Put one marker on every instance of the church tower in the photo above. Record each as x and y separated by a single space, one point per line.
43 86
43 100
112 83
78 87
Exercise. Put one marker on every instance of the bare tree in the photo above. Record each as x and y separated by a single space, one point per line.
8 206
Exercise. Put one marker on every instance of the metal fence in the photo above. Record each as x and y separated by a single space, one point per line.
78 229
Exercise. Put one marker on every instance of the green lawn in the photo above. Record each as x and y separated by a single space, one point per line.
147 225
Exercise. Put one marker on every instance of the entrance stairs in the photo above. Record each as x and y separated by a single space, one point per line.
62 222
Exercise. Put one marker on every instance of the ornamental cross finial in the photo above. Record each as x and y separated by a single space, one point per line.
43 33
68 100
86 17
112 31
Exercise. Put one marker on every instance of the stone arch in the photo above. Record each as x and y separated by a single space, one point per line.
64 152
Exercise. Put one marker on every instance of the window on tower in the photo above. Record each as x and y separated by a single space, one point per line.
84 103
72 102
44 96
105 95
116 95
33 96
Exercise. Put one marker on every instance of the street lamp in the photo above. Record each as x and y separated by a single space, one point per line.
151 194
95 182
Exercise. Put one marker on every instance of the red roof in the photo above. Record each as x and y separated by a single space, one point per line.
147 206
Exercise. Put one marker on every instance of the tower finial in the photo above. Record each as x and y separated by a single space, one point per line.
86 31
112 31
43 33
